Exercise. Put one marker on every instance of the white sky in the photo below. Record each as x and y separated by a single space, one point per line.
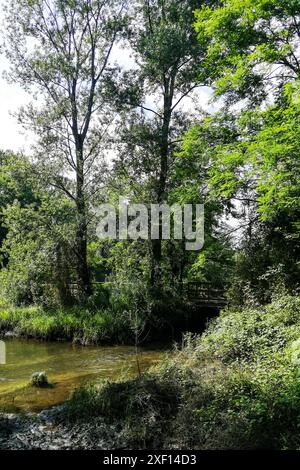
11 98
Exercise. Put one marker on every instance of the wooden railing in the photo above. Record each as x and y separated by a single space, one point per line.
199 292
204 292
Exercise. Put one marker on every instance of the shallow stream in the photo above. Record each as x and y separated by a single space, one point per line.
67 367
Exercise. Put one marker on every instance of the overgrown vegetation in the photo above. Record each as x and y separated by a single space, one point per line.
235 387
77 325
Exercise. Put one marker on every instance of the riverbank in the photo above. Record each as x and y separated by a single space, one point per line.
78 325
235 387
116 324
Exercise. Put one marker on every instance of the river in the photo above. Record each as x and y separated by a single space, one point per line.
67 367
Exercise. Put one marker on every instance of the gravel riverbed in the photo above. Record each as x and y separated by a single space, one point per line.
44 431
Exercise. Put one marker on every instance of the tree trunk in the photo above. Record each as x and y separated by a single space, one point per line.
156 245
83 274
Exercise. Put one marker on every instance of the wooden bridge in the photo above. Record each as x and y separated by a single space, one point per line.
198 293
204 294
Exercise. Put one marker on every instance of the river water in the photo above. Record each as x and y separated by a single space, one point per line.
67 367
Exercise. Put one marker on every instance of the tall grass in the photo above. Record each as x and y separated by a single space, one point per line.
74 324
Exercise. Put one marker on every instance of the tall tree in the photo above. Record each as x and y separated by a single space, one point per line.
171 65
255 47
60 50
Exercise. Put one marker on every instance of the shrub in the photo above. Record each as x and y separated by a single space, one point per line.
253 334
236 387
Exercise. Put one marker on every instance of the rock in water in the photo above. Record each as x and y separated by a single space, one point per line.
39 379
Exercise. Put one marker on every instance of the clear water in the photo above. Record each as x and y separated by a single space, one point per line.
67 367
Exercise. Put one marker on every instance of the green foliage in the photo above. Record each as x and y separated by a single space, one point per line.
265 152
39 252
251 151
16 184
250 165
236 387
253 334
49 250
75 324
250 43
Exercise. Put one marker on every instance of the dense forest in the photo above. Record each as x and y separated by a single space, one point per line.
118 111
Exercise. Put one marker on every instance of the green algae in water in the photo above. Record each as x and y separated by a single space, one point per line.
67 367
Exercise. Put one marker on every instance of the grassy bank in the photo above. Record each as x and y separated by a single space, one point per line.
74 324
117 322
236 387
